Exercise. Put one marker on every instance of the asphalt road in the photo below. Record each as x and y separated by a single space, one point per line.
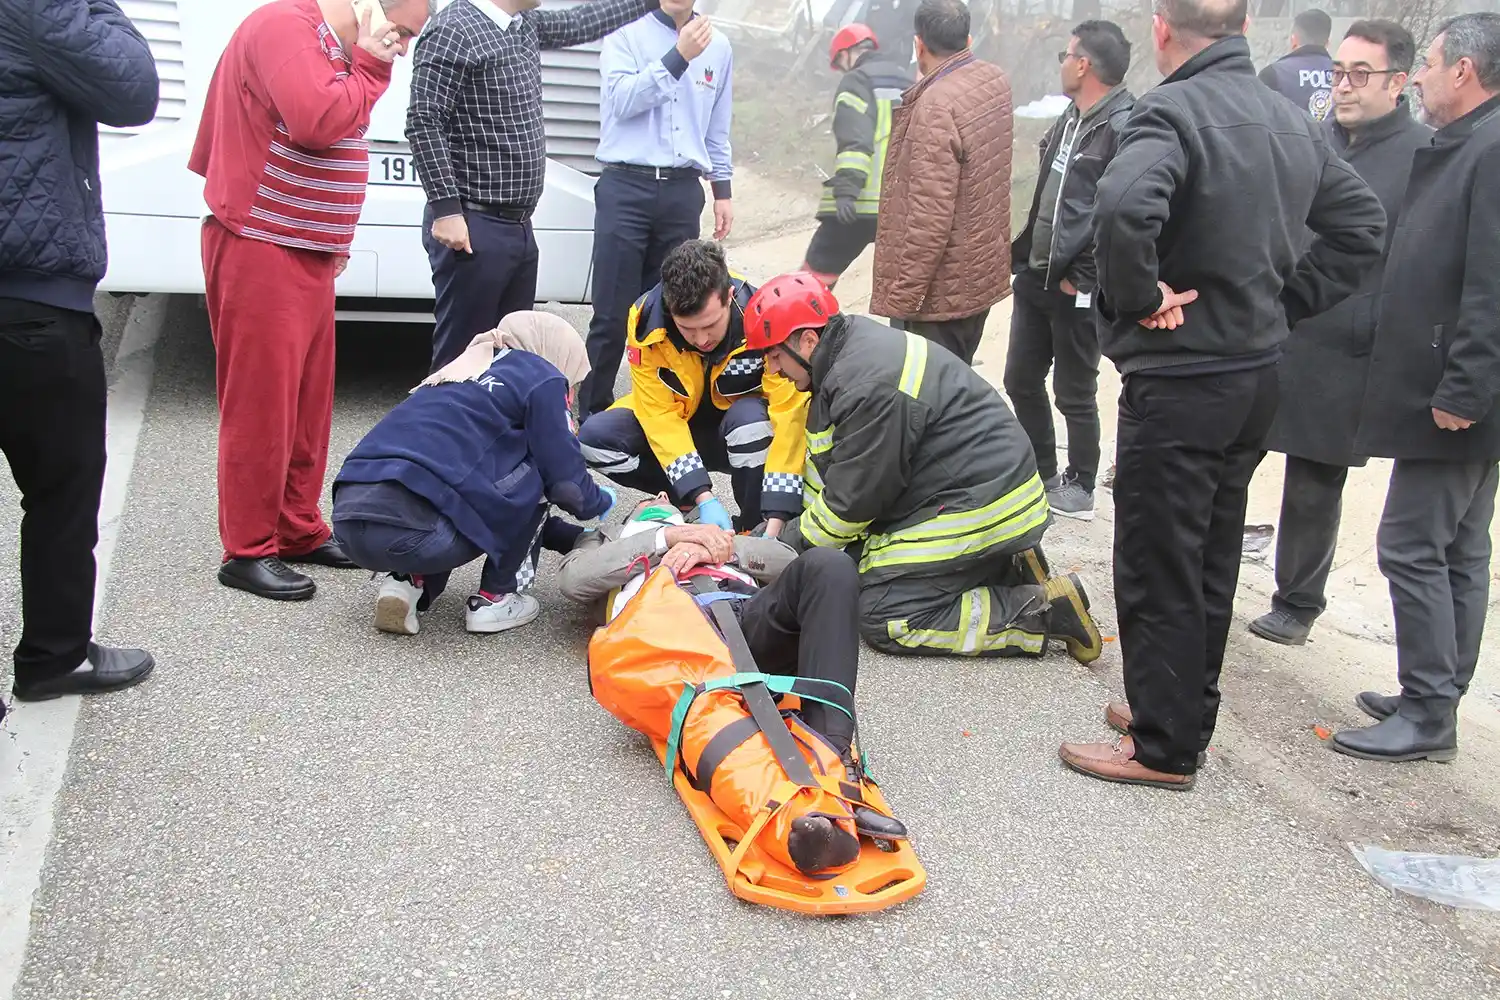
298 806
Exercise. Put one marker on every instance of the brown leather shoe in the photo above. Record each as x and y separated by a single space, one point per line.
1116 762
1117 716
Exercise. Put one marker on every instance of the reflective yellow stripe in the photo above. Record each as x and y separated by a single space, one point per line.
811 477
853 159
822 526
852 100
953 536
972 637
914 367
819 441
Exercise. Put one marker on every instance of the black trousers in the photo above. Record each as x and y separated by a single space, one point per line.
1312 499
1434 549
1187 449
733 441
1049 332
807 622
475 291
961 336
52 413
638 220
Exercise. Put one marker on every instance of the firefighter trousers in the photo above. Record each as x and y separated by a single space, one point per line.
991 609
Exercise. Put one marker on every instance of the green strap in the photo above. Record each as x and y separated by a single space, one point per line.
779 683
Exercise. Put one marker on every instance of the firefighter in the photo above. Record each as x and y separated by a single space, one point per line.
915 463
701 400
871 88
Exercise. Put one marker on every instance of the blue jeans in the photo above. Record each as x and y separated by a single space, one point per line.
386 528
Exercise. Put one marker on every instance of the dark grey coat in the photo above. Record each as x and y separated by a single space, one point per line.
1437 341
1325 360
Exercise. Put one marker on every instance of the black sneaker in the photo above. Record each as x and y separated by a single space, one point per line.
1068 618
1281 626
106 669
269 578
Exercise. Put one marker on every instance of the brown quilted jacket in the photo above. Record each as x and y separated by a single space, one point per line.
943 247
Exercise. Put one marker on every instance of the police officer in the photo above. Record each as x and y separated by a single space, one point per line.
702 401
871 87
1304 75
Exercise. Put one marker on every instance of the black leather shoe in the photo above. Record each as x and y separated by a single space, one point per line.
1398 738
872 824
1282 627
1377 706
327 554
106 669
269 578
816 844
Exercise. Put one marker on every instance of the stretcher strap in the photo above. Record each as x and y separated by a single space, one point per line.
757 696
725 742
704 600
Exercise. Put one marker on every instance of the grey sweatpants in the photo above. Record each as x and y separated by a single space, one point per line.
1434 550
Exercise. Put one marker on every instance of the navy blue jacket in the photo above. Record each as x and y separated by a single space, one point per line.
485 453
1304 77
65 67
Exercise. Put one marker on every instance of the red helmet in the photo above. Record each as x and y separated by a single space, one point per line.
847 38
784 305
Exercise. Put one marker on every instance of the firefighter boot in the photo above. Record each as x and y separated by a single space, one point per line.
1068 618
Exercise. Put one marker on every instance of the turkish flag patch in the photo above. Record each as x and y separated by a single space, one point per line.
634 353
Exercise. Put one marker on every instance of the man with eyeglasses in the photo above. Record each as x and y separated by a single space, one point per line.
1323 369
1052 263
1430 402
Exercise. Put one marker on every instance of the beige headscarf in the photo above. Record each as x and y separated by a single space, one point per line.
549 337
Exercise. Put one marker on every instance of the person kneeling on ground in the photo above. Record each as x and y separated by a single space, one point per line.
701 401
467 466
915 459
800 617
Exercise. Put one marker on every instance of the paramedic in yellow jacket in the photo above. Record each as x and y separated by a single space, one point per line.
702 401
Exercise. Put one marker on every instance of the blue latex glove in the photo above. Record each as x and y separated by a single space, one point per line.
614 498
711 511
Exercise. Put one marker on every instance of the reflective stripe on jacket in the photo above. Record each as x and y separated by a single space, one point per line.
862 128
668 379
913 455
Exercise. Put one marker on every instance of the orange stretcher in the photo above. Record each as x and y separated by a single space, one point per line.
745 767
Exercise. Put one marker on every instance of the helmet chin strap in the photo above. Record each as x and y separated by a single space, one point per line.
804 363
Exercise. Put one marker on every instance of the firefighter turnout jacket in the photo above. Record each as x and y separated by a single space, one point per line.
913 455
670 380
862 128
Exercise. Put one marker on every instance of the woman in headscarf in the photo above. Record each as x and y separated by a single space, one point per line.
467 466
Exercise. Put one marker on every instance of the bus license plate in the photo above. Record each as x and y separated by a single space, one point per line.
394 169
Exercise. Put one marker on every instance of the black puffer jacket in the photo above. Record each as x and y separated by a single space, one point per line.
913 457
66 66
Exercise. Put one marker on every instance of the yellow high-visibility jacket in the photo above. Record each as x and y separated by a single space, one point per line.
670 380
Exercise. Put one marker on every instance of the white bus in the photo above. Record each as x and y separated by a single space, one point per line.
153 205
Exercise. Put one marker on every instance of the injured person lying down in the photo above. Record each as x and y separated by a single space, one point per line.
702 625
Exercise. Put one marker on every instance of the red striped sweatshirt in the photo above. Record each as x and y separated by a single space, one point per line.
281 142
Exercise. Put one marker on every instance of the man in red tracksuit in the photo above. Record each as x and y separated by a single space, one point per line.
282 147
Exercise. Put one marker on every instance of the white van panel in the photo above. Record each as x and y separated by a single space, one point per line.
153 204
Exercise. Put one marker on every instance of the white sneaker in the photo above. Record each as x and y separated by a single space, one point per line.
511 611
396 607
